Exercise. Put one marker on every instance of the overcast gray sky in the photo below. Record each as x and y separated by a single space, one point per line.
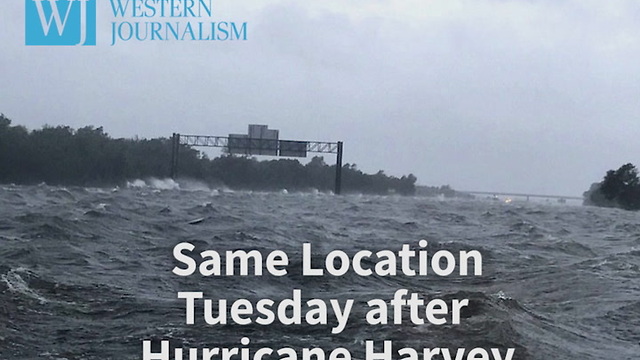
530 96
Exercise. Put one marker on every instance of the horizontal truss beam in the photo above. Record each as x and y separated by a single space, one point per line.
223 141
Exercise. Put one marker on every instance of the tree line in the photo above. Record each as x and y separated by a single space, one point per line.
88 156
619 188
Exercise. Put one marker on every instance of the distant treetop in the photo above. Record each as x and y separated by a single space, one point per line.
619 188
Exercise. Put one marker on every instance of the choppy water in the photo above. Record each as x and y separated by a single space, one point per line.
86 273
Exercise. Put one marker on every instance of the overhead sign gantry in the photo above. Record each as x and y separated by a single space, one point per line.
260 140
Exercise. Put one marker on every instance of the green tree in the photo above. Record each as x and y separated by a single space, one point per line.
619 188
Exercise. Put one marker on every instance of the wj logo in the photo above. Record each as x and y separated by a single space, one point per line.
60 22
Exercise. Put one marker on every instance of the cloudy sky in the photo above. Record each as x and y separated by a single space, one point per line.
537 96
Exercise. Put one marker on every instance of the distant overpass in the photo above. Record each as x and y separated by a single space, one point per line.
527 196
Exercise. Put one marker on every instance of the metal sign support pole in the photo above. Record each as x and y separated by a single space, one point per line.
338 187
175 147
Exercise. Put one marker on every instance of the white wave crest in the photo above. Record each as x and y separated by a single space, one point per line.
168 184
15 283
153 183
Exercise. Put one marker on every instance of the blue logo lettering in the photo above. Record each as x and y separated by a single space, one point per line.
60 22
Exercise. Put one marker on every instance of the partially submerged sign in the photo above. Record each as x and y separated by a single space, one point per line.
293 148
259 140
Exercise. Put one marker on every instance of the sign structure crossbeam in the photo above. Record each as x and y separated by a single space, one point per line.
223 141
294 148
